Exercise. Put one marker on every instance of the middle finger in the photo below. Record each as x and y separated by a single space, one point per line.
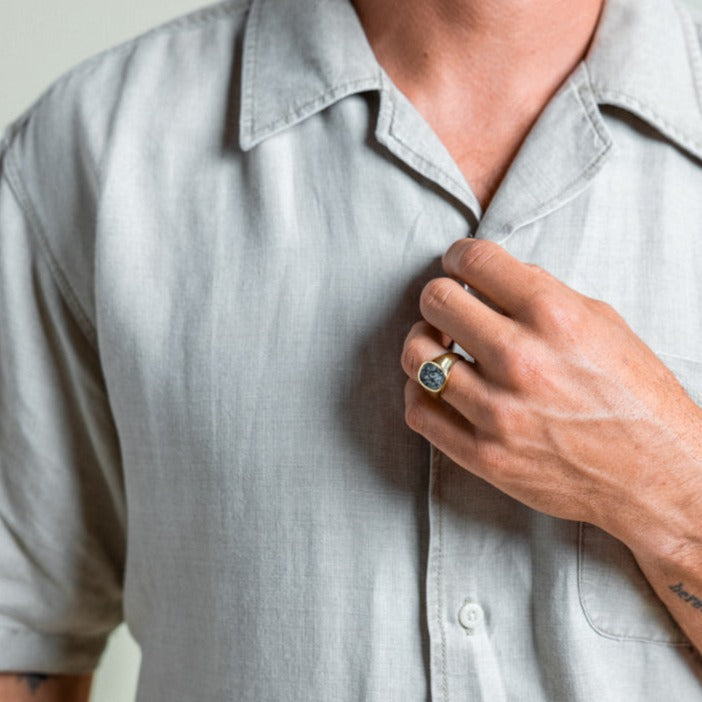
482 331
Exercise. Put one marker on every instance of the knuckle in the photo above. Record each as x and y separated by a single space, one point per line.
556 311
540 298
544 290
560 314
476 255
436 294
418 328
414 416
539 272
520 365
411 357
603 308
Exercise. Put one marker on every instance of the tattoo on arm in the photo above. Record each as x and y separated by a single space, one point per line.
693 600
34 680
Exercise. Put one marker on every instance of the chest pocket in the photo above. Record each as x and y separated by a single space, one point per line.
615 596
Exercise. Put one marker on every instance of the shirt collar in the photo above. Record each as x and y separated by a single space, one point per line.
645 58
301 56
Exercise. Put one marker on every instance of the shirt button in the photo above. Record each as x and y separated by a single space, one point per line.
470 616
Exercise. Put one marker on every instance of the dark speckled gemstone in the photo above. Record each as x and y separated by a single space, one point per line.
432 376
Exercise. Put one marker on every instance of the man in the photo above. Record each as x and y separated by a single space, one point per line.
226 248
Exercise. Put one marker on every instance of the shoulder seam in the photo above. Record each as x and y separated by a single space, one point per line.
13 177
12 173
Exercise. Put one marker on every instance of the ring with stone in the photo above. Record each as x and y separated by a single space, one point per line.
433 375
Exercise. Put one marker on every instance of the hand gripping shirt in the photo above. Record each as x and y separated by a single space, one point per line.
212 243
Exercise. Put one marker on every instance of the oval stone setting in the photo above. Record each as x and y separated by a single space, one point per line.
431 376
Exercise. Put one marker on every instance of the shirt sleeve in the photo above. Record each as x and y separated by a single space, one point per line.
62 507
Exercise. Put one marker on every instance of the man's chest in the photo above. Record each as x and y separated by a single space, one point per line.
251 328
267 293
484 152
287 286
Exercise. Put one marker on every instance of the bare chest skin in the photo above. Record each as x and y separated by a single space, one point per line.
482 160
483 150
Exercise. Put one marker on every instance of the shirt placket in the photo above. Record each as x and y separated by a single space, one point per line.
462 662
478 562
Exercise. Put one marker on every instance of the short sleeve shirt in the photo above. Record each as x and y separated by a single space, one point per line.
213 239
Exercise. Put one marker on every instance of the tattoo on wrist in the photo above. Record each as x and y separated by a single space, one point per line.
34 680
693 600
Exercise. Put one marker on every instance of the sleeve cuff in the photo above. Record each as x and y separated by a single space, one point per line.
23 650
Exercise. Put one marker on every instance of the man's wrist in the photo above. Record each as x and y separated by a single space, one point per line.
660 521
667 532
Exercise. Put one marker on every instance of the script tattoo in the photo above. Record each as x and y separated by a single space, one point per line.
34 680
693 600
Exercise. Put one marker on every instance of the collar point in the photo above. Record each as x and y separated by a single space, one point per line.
249 136
247 141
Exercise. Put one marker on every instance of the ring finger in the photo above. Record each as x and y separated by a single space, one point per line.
466 390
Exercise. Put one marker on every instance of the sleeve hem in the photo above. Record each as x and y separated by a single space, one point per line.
24 650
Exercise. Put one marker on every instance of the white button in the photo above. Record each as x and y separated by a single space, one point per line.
470 616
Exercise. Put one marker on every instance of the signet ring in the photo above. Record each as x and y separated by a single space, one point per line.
433 375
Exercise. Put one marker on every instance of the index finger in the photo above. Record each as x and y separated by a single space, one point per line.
493 272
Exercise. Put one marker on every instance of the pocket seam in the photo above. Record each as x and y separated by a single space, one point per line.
588 617
679 366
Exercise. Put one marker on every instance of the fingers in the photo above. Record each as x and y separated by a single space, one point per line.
466 390
444 427
495 273
437 421
483 332
441 339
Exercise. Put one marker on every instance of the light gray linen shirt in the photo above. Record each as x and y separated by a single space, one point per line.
212 243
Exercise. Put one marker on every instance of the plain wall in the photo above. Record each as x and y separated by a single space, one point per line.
39 40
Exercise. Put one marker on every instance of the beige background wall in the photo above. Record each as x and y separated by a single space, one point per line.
39 40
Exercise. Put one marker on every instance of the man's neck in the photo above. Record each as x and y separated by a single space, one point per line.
484 54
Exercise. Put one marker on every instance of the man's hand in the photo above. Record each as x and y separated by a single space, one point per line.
565 409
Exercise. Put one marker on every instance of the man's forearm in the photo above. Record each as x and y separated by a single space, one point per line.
41 687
